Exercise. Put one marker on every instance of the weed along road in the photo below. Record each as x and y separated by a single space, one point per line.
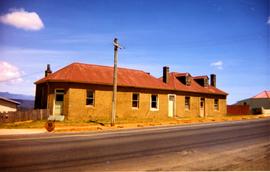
241 145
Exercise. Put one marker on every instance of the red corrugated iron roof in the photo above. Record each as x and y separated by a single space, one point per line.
175 84
264 94
96 74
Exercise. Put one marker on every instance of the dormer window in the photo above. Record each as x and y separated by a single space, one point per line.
202 80
185 79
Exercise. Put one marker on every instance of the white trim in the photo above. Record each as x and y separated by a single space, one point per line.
94 98
135 108
216 110
54 97
174 105
204 106
154 109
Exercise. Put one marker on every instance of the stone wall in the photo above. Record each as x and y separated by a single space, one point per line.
75 102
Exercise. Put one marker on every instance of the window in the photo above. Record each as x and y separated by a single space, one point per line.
135 100
89 97
202 103
216 104
59 95
187 103
154 101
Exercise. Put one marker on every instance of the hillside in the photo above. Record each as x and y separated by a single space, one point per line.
16 96
25 104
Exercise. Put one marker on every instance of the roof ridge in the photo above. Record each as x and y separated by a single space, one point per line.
199 76
90 64
264 93
267 95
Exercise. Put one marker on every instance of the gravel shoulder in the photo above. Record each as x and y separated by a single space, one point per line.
248 158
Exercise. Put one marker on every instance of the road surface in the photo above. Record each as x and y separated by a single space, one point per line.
242 145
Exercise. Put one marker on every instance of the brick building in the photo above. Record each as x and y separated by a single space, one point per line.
84 91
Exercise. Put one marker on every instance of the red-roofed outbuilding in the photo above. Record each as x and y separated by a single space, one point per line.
259 103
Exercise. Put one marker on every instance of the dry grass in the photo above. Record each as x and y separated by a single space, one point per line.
41 123
122 123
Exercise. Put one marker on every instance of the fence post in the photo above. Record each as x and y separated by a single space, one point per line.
24 116
47 113
20 115
41 114
11 117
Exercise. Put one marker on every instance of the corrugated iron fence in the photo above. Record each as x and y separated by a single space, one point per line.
238 110
36 114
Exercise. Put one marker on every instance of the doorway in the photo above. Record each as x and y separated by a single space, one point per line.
171 105
202 107
59 102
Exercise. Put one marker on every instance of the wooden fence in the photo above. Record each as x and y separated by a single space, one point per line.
36 114
238 110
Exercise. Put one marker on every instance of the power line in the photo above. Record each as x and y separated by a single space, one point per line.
26 75
22 76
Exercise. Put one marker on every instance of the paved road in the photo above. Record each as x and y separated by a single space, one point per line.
137 149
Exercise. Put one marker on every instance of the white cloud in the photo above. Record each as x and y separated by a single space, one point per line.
22 19
268 21
218 64
9 72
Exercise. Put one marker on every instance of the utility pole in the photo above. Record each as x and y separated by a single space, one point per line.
116 46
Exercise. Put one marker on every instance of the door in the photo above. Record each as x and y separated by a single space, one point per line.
171 106
59 102
202 107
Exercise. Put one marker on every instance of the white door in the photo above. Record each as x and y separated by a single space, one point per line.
59 101
202 107
171 108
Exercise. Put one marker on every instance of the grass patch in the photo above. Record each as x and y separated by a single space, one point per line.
24 124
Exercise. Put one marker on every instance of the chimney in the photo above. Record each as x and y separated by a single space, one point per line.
48 70
165 74
213 80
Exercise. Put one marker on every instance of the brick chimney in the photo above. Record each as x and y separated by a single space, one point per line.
48 71
213 80
165 74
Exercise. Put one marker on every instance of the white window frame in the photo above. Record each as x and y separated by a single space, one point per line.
216 109
54 98
157 108
135 108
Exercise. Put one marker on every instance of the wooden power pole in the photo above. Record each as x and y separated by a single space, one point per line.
116 46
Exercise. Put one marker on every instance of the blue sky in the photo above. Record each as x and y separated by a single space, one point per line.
227 37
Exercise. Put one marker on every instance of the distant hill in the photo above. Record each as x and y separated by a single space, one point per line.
16 96
27 101
25 104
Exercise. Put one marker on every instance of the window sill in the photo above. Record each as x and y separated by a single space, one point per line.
90 106
134 108
154 109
